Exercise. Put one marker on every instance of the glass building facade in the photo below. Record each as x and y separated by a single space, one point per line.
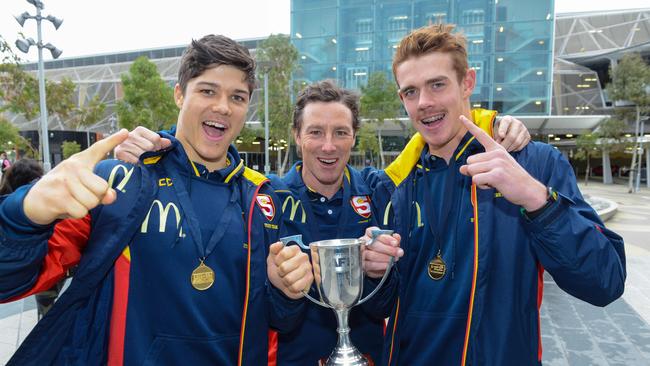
510 44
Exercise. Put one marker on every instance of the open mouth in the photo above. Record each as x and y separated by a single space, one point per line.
433 119
328 162
214 129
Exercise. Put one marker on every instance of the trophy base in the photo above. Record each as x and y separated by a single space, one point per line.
346 356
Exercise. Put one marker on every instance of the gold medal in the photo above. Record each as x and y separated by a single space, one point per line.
437 268
202 277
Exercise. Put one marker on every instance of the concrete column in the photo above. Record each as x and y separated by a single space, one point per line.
607 168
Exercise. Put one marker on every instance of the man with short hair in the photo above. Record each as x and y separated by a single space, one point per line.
479 225
173 254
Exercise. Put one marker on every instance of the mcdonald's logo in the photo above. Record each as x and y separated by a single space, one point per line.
294 208
164 213
127 176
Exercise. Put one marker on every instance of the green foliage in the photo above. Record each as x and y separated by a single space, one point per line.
587 146
279 57
70 148
248 135
630 78
89 114
379 99
10 138
367 142
19 92
148 100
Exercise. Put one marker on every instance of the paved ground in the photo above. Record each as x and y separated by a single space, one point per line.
574 333
577 334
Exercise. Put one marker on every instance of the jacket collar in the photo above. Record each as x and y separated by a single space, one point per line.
402 166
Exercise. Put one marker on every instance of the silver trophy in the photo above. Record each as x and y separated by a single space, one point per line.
338 274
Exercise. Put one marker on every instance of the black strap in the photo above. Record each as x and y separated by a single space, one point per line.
192 220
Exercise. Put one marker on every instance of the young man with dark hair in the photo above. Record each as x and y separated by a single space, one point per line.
479 225
173 258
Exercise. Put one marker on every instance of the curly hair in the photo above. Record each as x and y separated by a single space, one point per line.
24 171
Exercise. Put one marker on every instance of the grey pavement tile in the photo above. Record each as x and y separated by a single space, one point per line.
620 355
578 340
575 358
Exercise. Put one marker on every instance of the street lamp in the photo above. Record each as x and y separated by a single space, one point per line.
24 45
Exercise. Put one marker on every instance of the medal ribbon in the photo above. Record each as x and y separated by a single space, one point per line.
192 220
314 229
437 226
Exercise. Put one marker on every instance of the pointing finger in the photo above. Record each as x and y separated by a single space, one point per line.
98 151
482 137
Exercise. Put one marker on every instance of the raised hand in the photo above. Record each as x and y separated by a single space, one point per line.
71 189
495 168
377 256
289 270
512 134
140 141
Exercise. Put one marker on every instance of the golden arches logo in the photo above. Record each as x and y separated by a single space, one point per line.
127 176
163 212
418 213
294 208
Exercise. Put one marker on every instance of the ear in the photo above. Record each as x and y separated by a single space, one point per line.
468 83
178 95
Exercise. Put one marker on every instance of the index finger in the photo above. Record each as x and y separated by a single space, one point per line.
482 137
98 151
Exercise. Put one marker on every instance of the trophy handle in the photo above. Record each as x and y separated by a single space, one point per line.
374 235
287 240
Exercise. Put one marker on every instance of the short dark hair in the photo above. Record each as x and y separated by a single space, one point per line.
326 91
22 172
214 50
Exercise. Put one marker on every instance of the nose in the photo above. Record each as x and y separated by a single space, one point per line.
221 105
426 99
328 146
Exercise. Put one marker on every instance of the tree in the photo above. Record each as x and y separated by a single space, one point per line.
280 58
10 139
148 100
19 94
630 83
70 148
379 102
367 142
586 145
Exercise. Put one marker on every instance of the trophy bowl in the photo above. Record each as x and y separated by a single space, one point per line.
338 275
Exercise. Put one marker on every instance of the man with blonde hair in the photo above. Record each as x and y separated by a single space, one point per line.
479 225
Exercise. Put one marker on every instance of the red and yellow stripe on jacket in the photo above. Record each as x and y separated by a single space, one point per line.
63 252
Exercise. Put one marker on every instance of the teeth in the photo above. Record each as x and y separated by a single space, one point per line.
215 124
433 118
328 161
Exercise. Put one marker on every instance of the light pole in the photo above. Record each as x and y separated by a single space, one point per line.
23 45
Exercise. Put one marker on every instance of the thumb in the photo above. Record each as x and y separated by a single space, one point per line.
98 151
165 143
109 197
275 248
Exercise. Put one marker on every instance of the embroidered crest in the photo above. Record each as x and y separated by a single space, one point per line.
361 205
265 203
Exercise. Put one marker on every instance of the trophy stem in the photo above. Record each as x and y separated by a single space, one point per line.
345 352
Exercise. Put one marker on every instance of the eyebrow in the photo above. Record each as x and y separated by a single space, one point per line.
428 81
217 86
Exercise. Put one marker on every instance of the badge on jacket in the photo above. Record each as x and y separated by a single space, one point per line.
361 205
265 204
